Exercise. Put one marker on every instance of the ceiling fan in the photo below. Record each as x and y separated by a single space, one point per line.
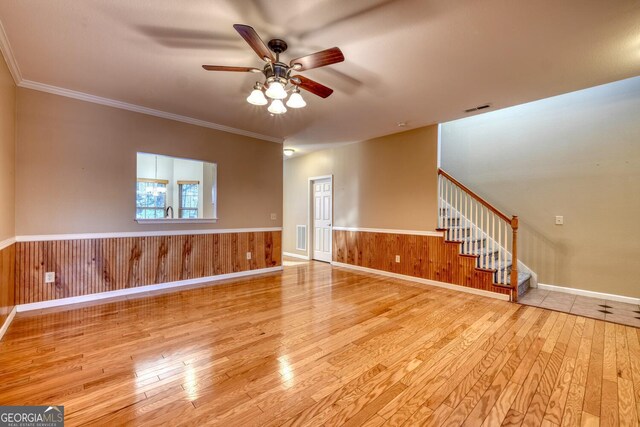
278 79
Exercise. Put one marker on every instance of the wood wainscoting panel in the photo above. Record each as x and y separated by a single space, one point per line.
7 280
426 257
88 266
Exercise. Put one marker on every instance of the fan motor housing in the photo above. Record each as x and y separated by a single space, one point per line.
277 69
277 45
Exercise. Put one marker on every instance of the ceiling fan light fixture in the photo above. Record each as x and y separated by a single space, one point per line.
277 74
277 107
276 90
257 96
296 100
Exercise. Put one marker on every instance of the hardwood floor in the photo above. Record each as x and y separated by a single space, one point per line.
322 346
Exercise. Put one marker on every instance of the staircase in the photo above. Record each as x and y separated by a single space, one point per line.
483 232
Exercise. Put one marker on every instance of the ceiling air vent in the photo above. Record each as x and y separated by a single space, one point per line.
478 108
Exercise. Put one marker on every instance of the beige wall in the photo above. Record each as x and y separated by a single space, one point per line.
76 167
7 188
388 182
7 152
576 155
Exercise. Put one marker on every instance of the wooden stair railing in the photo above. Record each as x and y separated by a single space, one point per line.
482 229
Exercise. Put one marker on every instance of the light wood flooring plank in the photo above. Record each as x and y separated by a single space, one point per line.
316 345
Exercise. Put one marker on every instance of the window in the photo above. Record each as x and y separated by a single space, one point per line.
189 193
151 198
172 189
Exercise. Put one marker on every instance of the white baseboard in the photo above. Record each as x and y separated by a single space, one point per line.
592 294
140 289
7 322
425 281
291 254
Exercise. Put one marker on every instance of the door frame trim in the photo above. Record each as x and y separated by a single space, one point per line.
310 213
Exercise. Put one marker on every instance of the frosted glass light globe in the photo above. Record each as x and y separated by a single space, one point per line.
276 91
277 107
296 101
257 98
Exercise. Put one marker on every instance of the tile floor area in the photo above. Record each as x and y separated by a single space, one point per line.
613 311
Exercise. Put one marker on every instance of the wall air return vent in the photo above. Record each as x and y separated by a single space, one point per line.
478 108
301 237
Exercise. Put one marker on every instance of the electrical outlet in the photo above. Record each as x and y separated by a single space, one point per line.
49 277
397 258
248 255
559 220
274 217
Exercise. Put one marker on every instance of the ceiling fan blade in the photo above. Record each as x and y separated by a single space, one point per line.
225 68
253 39
314 87
318 59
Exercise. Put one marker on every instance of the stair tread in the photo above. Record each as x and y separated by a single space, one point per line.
451 215
470 239
523 276
484 251
498 266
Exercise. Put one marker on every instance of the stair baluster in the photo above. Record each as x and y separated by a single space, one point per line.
470 233
487 263
493 241
475 229
453 211
440 201
458 196
482 257
459 209
466 215
504 265
499 251
514 255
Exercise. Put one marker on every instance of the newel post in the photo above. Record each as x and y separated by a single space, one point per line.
514 259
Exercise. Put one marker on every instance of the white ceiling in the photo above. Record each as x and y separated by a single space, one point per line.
414 61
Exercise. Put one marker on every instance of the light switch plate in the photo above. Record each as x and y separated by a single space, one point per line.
397 258
559 220
248 255
49 277
274 217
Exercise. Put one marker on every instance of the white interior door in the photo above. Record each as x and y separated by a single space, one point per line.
322 211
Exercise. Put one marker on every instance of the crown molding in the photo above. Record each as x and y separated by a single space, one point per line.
10 59
12 64
82 96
